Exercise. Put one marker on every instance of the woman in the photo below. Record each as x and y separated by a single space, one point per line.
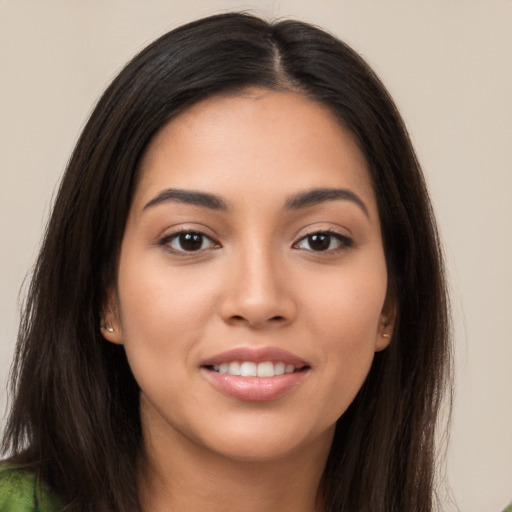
240 301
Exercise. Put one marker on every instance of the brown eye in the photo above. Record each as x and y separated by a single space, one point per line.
319 241
324 241
189 241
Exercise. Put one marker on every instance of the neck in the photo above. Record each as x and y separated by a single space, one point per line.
181 476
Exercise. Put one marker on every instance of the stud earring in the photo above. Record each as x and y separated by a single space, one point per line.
107 328
386 335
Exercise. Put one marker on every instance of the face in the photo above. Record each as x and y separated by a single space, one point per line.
251 292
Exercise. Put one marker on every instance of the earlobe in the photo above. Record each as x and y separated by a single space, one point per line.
383 340
110 334
110 325
386 324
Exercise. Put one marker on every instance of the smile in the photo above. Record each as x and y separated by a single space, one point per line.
256 374
253 369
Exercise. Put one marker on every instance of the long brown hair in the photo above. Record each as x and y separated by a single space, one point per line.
74 415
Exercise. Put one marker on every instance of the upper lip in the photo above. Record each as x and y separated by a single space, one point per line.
256 355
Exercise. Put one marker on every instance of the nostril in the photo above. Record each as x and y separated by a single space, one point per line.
241 318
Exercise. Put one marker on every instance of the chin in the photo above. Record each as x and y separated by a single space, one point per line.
268 443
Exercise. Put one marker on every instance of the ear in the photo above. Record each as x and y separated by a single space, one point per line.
110 323
386 323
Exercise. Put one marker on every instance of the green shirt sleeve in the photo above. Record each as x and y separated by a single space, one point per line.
19 492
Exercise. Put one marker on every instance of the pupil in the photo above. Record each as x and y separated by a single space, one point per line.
191 241
319 242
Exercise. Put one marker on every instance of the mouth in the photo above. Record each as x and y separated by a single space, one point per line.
255 369
256 375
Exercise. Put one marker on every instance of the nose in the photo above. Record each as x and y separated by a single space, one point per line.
258 292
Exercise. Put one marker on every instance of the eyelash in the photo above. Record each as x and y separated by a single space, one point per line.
343 241
168 240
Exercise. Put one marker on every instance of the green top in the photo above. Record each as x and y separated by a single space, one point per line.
19 492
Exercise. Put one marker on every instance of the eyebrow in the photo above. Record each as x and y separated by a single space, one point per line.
321 195
296 202
193 197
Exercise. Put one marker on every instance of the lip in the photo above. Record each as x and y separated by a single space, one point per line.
255 389
257 355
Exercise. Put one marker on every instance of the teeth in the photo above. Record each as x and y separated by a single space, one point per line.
279 368
265 370
234 368
251 369
248 369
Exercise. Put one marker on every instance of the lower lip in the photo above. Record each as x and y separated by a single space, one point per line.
255 389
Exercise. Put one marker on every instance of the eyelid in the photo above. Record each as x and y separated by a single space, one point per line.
165 240
186 227
324 227
345 240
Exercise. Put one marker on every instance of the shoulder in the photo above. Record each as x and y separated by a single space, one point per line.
17 489
19 492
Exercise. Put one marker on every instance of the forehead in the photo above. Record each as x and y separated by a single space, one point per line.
259 141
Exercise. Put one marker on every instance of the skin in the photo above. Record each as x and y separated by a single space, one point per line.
256 281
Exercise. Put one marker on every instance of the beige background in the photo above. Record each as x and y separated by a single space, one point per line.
447 63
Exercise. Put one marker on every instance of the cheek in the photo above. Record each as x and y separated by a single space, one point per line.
155 297
162 313
345 325
347 307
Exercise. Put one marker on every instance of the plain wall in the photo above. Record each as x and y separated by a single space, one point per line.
448 64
